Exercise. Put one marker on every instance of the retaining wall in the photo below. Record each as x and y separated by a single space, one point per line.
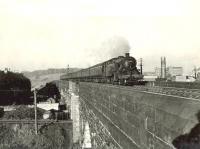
140 119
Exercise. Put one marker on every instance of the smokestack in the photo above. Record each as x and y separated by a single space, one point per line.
163 67
126 54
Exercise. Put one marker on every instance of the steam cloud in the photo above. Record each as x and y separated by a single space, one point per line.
110 48
115 46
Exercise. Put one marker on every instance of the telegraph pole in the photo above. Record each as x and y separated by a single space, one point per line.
35 107
67 68
195 72
141 65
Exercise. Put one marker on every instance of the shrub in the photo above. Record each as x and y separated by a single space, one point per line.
22 136
23 112
50 136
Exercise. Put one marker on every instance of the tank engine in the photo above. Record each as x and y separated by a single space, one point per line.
119 70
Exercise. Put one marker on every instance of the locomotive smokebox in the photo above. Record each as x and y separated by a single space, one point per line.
126 54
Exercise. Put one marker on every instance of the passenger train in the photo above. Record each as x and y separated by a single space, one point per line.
120 70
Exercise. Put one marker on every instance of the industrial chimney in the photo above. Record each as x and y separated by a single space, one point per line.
163 68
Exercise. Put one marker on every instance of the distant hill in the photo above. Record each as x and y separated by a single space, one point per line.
41 77
38 73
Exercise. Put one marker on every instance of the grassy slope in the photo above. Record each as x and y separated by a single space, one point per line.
43 79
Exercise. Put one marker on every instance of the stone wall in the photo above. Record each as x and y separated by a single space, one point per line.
139 119
100 135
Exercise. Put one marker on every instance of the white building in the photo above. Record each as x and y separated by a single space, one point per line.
183 78
174 71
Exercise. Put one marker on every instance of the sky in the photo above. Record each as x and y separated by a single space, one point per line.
41 34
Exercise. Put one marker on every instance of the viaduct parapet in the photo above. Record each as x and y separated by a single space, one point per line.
134 118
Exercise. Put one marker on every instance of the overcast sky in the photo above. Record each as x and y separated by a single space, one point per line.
41 34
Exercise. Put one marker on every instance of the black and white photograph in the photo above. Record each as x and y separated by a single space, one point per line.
99 74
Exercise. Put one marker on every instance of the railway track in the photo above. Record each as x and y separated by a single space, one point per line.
182 92
173 91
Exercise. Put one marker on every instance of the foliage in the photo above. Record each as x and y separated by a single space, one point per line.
50 91
50 137
55 135
15 88
13 80
22 136
23 112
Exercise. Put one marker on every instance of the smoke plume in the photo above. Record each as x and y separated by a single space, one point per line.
115 46
109 48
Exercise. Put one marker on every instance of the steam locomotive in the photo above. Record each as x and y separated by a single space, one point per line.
121 70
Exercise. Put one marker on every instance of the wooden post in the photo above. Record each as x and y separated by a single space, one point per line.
195 72
141 71
35 106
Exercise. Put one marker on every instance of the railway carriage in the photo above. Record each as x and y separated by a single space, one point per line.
119 70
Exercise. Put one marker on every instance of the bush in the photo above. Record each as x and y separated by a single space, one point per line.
49 137
24 112
50 90
22 136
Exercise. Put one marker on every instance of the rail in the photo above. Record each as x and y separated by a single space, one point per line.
181 92
168 91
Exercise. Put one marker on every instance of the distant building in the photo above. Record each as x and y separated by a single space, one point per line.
149 73
150 78
183 78
48 106
170 71
158 71
174 71
198 74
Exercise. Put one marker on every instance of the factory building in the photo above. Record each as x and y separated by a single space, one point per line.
157 71
170 71
165 72
174 71
183 78
160 72
198 74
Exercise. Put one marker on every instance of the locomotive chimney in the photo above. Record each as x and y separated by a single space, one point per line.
126 54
